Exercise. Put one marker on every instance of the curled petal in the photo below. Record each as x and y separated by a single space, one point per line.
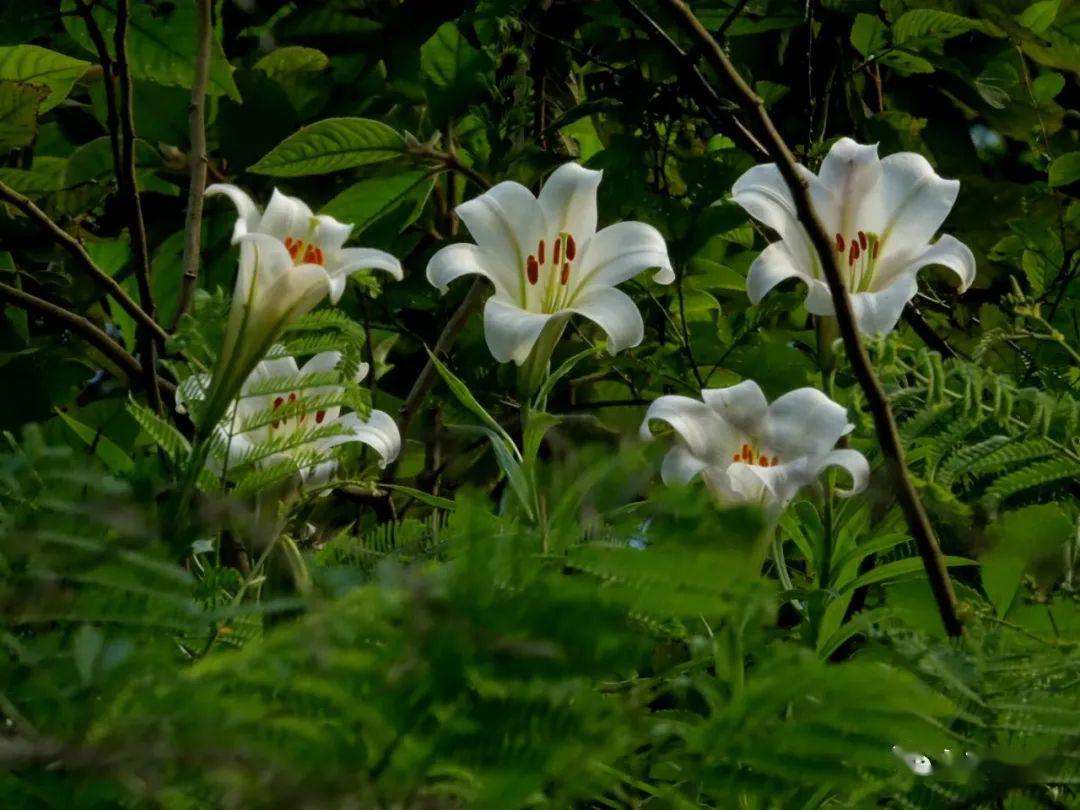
764 195
851 172
614 312
948 251
680 465
773 265
330 235
510 331
507 221
285 216
911 201
569 200
378 431
318 474
818 298
877 312
857 466
698 426
350 260
804 422
741 405
454 261
248 213
619 252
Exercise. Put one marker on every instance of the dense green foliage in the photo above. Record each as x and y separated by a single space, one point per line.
517 612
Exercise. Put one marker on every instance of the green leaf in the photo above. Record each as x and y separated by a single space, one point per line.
1039 16
1047 86
465 397
906 63
868 34
292 59
54 71
19 105
86 649
103 447
330 146
1018 540
363 203
898 568
161 46
927 23
1065 170
453 68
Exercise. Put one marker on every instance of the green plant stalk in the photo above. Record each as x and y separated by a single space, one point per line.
827 333
532 372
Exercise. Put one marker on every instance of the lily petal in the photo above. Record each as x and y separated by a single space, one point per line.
508 222
773 265
569 200
948 251
330 234
248 213
772 487
698 425
877 311
911 201
454 261
804 422
619 252
349 260
742 405
680 465
285 216
378 431
616 313
851 172
857 466
510 331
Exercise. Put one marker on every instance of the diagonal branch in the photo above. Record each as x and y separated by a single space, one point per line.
197 161
86 11
78 252
129 190
712 106
93 335
885 424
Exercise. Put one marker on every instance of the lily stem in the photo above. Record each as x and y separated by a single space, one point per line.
826 335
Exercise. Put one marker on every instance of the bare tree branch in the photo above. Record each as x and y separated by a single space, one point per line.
881 411
78 252
129 190
197 162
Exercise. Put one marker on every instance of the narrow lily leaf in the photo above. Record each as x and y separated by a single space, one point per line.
506 456
899 568
465 397
564 369
434 501
330 146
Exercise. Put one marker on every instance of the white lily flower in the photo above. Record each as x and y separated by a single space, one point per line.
748 451
548 261
290 259
378 431
880 212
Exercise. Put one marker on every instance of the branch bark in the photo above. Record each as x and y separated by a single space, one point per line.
96 337
197 162
884 422
72 245
129 190
86 8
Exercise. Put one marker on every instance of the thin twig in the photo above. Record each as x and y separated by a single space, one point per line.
885 424
129 191
711 104
94 31
197 162
74 247
93 335
732 16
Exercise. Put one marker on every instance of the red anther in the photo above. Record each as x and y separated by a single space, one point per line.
853 254
877 247
319 416
735 456
775 460
564 276
278 401
746 454
540 252
557 252
862 240
532 269
763 461
839 243
571 247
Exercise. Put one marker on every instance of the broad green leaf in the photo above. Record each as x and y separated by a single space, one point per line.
1047 86
44 176
927 23
363 203
1019 540
332 145
103 447
454 69
1039 16
868 34
906 63
1065 170
292 59
54 71
19 105
161 43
